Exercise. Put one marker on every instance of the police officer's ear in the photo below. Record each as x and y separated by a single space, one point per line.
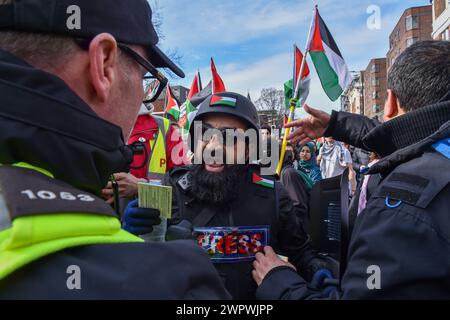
392 108
103 61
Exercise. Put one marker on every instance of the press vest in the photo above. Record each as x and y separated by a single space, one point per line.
158 148
259 207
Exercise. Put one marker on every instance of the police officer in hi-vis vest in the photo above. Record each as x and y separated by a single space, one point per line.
231 210
71 75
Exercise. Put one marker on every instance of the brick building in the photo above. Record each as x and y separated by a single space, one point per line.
414 25
441 19
375 84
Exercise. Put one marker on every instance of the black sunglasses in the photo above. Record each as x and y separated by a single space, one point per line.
227 134
154 84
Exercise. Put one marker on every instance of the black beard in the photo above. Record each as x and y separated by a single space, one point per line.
217 188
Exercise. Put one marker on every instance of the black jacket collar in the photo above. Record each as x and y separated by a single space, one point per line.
409 136
408 129
44 123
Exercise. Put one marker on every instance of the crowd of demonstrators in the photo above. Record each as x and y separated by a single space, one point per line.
211 194
86 87
399 248
239 233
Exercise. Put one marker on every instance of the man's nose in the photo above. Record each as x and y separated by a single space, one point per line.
214 145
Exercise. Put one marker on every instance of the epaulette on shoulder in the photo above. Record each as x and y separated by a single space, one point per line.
27 192
177 171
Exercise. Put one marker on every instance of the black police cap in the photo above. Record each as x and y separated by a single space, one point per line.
129 21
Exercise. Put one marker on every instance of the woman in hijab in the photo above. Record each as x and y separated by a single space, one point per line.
308 163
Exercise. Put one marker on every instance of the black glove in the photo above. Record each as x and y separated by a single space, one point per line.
139 221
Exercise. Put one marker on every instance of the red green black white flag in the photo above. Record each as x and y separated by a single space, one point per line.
172 107
327 58
291 85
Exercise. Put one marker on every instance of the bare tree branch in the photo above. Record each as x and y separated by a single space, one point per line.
272 100
158 21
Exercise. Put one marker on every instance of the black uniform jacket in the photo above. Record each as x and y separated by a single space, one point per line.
400 247
45 124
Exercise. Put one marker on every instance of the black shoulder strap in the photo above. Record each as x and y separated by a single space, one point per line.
26 192
203 218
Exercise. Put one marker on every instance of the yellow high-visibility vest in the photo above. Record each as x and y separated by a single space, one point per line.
158 157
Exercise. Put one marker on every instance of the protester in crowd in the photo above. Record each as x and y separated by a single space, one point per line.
69 97
334 159
297 183
317 146
365 191
266 132
218 202
399 247
351 173
308 162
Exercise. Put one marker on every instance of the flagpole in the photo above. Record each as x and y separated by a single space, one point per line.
166 100
294 100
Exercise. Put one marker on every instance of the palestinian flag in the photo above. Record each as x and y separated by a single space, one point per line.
198 99
187 108
263 182
223 101
172 105
330 65
291 85
218 85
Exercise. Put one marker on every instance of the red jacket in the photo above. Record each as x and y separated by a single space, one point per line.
146 129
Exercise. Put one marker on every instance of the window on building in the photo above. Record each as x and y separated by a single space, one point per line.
412 22
376 108
410 41
375 82
375 95
375 68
